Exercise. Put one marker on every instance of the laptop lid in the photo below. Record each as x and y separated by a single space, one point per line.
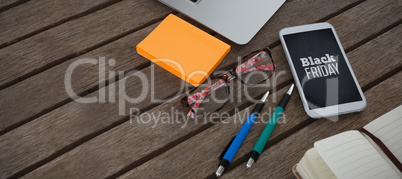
237 20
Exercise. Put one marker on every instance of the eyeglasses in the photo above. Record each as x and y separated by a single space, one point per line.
251 71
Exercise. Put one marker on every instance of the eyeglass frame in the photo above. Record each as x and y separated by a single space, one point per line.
227 78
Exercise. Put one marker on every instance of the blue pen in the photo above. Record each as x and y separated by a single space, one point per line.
241 135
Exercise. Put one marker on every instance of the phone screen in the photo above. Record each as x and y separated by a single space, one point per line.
321 68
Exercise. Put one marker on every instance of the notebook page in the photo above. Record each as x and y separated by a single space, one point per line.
388 128
379 150
350 155
320 168
302 169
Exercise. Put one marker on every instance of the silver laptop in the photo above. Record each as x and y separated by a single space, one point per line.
237 20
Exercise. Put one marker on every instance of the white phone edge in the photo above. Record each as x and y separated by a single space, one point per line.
330 110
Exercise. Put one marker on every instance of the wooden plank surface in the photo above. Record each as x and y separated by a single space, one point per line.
54 136
49 98
269 33
289 152
34 16
39 89
69 118
155 135
75 37
4 5
199 149
46 91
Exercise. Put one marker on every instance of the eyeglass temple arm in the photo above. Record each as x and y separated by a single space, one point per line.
194 108
191 99
198 97
269 67
247 66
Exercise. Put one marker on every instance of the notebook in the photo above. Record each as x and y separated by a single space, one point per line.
183 49
374 151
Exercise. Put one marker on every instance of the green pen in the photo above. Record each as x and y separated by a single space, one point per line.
266 133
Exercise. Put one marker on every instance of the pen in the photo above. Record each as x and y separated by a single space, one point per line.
266 133
241 135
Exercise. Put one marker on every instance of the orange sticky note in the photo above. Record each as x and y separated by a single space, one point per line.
183 49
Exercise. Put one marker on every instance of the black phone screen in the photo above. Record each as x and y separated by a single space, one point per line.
321 68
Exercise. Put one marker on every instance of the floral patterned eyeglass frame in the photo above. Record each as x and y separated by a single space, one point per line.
194 101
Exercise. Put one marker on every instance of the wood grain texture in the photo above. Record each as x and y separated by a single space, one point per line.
137 140
352 26
70 123
59 44
203 149
277 161
77 117
4 5
7 3
197 157
74 121
370 16
23 20
46 91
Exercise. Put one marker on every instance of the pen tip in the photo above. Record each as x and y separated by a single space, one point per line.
250 163
290 89
219 171
264 98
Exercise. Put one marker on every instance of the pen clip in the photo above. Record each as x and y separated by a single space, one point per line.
226 149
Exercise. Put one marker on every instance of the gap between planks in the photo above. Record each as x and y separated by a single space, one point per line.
83 92
113 175
303 139
308 121
240 161
42 62
71 56
8 4
96 87
92 89
59 22
66 58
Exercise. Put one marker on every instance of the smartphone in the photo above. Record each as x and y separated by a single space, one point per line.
322 73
